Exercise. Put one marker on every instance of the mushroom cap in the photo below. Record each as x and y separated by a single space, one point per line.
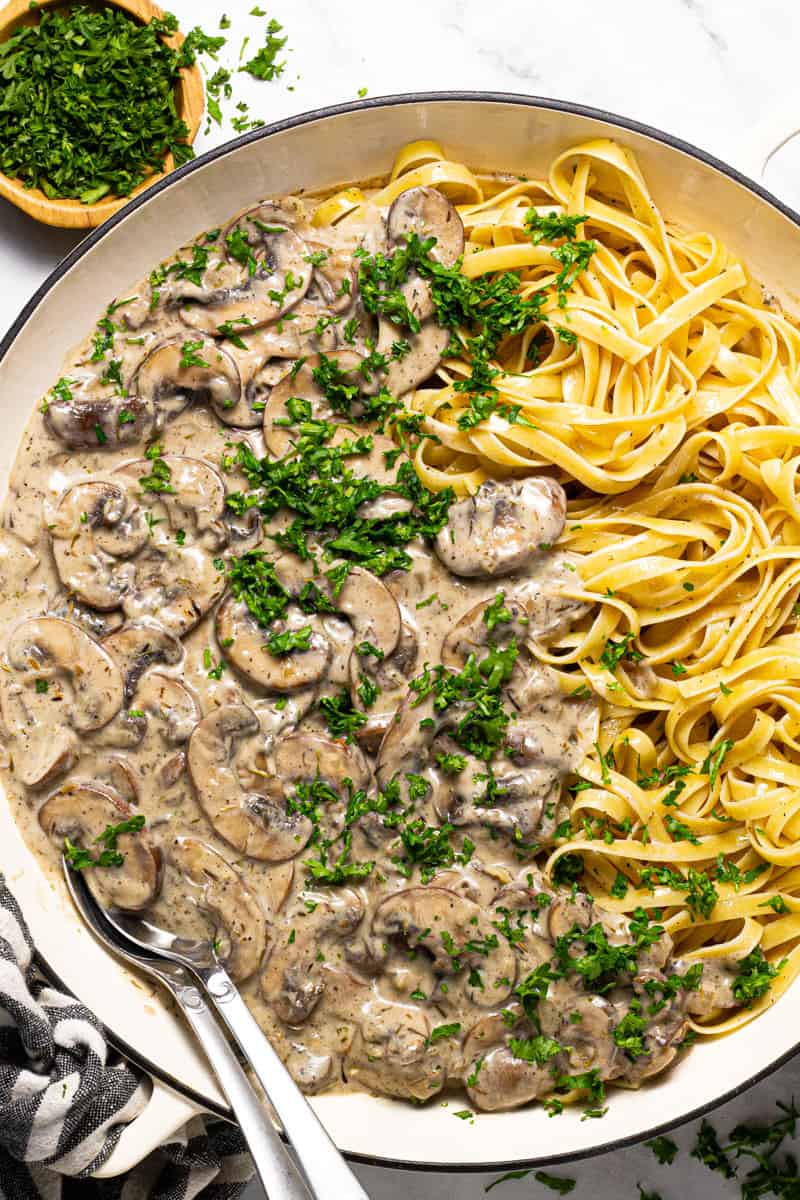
471 634
302 385
138 646
420 915
251 822
167 386
280 277
427 350
502 527
258 390
63 654
121 420
233 908
82 810
97 523
294 978
502 1081
428 213
304 756
245 644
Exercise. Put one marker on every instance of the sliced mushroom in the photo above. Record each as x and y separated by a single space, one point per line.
82 811
427 213
335 281
408 371
98 624
137 647
295 975
246 646
502 527
279 429
61 683
715 992
98 526
480 627
177 578
239 924
420 916
252 822
392 1052
170 377
390 676
272 280
495 1079
86 421
250 412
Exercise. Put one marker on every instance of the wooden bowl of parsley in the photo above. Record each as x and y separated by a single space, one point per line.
97 102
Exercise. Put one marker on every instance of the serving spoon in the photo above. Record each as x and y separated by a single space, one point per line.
275 1168
129 934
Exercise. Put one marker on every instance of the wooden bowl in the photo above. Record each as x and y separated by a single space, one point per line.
72 214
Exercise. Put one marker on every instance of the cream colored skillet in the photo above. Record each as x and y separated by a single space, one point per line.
316 151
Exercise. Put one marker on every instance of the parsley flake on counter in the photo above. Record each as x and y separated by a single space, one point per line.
664 1149
264 64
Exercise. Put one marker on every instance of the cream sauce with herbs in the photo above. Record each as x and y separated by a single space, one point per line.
137 681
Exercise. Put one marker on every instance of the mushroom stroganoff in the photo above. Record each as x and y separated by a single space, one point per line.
261 681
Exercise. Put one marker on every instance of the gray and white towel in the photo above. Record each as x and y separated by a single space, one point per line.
65 1099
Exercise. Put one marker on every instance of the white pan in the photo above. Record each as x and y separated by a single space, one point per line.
318 150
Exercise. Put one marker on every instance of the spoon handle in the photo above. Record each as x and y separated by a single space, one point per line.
275 1168
328 1175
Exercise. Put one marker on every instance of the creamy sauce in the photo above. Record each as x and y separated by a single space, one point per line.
136 682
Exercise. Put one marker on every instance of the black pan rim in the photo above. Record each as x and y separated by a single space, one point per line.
257 135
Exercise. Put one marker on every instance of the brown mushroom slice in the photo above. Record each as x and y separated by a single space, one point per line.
246 646
495 1079
253 823
179 372
279 428
390 675
335 279
97 526
419 916
480 626
408 371
171 703
406 745
274 278
392 1052
88 422
137 647
60 683
250 411
238 921
371 609
294 979
195 502
281 715
502 527
427 213
303 757
177 578
82 811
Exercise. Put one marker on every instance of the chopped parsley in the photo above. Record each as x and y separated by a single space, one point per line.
87 96
754 978
78 858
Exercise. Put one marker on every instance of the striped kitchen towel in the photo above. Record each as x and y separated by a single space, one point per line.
65 1099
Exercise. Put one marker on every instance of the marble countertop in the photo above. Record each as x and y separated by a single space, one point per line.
719 73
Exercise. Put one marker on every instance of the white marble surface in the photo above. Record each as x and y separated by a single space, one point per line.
720 73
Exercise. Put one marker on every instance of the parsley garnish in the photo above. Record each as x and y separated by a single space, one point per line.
109 856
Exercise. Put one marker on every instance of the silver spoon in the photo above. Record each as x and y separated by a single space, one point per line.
275 1168
324 1168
